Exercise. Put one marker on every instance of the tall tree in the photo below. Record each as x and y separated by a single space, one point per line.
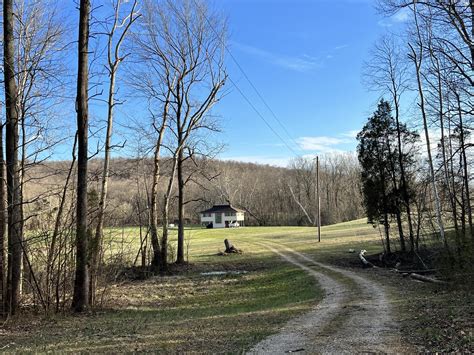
416 55
15 218
378 158
3 224
374 158
387 73
80 300
182 46
116 35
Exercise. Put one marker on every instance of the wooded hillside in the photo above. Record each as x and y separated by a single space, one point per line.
270 195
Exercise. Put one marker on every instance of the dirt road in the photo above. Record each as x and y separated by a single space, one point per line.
354 316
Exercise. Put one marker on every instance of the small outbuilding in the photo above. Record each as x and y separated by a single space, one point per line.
222 216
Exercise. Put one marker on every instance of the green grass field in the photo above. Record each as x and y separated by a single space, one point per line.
190 310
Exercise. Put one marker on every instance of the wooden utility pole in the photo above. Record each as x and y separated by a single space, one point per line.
318 199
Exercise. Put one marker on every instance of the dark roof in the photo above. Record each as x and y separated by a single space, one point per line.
222 208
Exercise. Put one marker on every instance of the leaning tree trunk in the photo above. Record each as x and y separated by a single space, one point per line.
15 218
80 300
53 253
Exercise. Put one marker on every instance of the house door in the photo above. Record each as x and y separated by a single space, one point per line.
218 218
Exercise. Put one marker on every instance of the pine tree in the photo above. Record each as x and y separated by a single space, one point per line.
378 155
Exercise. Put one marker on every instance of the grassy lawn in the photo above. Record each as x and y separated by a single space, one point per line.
189 311
186 311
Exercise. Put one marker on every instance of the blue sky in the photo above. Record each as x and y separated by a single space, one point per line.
305 58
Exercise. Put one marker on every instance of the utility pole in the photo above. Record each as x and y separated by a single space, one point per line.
318 199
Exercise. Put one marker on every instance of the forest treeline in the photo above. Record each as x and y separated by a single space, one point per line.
271 196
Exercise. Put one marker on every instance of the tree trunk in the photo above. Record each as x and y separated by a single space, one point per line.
96 246
180 251
465 166
155 243
80 300
387 232
52 252
164 237
404 185
3 219
15 218
417 58
398 204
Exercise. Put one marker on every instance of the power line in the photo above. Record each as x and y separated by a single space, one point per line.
260 96
261 116
248 79
256 91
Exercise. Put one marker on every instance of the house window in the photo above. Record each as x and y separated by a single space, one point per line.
229 214
218 217
207 215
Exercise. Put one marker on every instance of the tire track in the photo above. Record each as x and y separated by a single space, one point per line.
354 316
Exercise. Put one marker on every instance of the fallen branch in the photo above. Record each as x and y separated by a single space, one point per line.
429 271
425 278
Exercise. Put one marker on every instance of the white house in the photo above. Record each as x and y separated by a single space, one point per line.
222 216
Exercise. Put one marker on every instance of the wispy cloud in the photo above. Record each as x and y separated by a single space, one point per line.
321 144
350 134
342 46
401 16
302 63
326 144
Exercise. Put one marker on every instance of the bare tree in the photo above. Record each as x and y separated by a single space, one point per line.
116 35
456 21
185 53
416 56
15 232
81 283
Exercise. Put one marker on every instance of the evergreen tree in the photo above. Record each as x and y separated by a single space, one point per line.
378 155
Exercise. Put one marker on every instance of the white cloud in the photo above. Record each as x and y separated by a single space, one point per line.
322 144
326 144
